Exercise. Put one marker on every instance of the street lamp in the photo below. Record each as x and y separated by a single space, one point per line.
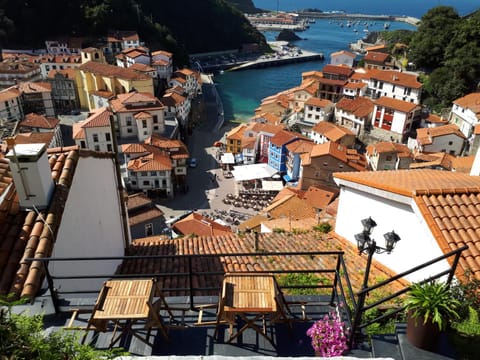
366 244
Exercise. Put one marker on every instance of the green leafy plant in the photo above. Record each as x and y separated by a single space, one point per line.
323 227
22 337
307 279
432 301
469 326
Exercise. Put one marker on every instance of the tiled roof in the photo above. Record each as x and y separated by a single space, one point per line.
29 234
340 152
284 136
137 200
376 48
111 70
172 99
321 103
142 115
98 118
78 133
343 52
35 138
133 148
103 93
34 87
433 161
320 196
425 135
33 120
233 243
337 69
141 67
388 147
376 57
290 207
354 85
236 133
286 224
265 127
162 52
360 74
410 182
200 226
331 131
396 77
470 101
69 73
396 104
156 160
360 106
5 178
300 146
435 119
8 94
145 215
176 148
463 164
135 101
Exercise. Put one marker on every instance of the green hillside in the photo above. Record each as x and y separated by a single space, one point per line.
181 26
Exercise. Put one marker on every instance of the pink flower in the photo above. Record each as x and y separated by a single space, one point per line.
328 335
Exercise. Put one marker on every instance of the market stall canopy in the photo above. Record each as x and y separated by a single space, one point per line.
252 172
269 185
227 158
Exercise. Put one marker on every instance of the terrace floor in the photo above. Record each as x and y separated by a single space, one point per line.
186 338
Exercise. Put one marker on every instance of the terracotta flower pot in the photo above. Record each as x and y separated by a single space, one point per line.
423 336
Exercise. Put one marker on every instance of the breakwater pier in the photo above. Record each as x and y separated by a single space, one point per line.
341 15
278 60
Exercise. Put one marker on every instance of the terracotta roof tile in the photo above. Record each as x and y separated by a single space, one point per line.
344 52
33 120
337 70
155 160
470 101
332 131
425 136
35 138
232 243
411 182
376 57
321 103
396 77
200 225
360 106
111 70
283 137
396 104
98 118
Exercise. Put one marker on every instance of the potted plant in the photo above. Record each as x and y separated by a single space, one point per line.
430 306
328 335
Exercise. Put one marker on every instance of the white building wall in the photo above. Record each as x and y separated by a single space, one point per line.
398 122
417 244
102 142
465 119
91 226
126 130
442 143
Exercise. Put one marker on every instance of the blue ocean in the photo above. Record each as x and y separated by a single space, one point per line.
242 91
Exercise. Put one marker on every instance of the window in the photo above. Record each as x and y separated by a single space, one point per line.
144 124
134 182
146 183
155 119
129 121
97 148
155 127
109 147
450 143
95 137
164 183
129 130
153 173
148 229
144 173
388 158
108 137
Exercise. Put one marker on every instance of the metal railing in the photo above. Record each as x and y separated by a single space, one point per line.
360 310
338 286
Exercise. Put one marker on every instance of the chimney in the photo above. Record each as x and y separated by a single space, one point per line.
31 174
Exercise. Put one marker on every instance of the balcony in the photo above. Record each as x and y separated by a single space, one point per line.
193 298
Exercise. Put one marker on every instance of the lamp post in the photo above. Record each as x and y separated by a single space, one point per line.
366 244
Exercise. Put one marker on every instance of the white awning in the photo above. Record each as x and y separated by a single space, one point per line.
270 185
252 172
227 158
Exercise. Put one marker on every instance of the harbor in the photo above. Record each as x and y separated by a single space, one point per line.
279 59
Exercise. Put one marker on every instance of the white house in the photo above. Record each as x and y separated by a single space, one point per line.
188 80
428 209
11 105
395 116
394 84
388 156
354 114
133 55
162 61
95 132
176 106
447 138
342 57
41 124
138 114
316 110
58 62
76 209
465 113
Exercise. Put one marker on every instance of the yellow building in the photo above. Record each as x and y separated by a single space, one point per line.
96 76
234 139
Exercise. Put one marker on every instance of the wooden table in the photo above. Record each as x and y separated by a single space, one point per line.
250 297
126 302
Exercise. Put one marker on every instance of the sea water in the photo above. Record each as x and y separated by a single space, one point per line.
242 91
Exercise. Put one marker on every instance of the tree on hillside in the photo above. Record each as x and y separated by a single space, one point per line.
429 43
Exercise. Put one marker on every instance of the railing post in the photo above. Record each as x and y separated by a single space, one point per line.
190 281
454 267
51 288
335 280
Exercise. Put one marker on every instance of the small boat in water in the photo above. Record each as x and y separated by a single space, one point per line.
386 25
